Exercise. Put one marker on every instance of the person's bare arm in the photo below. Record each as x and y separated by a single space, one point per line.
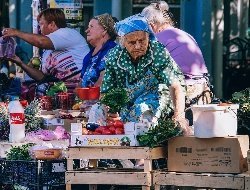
32 72
99 81
37 40
178 97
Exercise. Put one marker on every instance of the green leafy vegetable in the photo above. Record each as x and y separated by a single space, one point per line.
4 123
19 152
243 115
33 119
159 134
115 99
57 87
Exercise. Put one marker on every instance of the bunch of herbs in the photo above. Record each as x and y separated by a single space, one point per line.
243 115
159 134
19 152
115 99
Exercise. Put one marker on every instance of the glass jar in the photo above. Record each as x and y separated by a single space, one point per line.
46 102
63 99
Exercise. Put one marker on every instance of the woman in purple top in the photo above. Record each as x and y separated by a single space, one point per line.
184 50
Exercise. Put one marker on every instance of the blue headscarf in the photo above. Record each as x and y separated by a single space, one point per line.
134 23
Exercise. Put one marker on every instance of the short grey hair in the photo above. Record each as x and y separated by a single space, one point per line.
158 13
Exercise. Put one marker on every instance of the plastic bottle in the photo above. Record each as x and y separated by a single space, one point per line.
16 120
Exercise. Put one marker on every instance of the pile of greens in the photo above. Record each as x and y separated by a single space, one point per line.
33 120
19 152
56 88
243 115
159 134
115 99
4 123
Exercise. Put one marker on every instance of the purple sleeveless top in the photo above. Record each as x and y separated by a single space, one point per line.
184 50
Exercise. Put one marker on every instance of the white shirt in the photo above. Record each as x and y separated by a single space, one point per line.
71 40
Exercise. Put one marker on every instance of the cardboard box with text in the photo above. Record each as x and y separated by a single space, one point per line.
215 155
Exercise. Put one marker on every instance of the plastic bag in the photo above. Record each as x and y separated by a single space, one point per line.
98 114
7 47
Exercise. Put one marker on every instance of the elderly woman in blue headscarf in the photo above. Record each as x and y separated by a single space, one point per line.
143 66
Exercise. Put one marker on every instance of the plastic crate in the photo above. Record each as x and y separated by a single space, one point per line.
35 174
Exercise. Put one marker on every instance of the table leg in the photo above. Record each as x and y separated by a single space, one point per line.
68 186
92 187
157 187
145 188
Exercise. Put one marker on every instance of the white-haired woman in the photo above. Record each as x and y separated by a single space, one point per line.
146 70
183 49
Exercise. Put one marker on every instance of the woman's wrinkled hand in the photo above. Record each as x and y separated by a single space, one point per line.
183 123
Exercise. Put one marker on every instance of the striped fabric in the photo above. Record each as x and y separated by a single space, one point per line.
60 64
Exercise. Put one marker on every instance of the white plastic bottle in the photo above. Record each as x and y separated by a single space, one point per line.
16 121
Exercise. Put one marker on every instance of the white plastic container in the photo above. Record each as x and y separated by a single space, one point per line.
16 121
213 120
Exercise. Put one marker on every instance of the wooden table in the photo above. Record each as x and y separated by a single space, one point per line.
201 180
97 176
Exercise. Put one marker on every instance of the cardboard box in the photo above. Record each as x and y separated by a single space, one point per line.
248 160
216 155
103 140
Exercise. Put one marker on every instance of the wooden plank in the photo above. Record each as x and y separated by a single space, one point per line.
145 188
68 186
147 165
158 152
116 152
157 187
229 181
69 164
247 182
114 178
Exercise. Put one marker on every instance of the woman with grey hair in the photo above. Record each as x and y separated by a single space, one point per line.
183 49
148 73
101 35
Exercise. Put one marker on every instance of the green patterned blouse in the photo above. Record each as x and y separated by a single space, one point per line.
119 67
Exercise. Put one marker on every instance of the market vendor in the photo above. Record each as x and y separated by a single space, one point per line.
101 36
143 66
64 48
184 50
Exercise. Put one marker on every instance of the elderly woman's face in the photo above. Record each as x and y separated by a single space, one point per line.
95 32
136 44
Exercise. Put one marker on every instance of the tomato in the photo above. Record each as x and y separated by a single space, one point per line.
119 131
106 132
119 124
112 129
24 103
100 129
110 123
96 133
